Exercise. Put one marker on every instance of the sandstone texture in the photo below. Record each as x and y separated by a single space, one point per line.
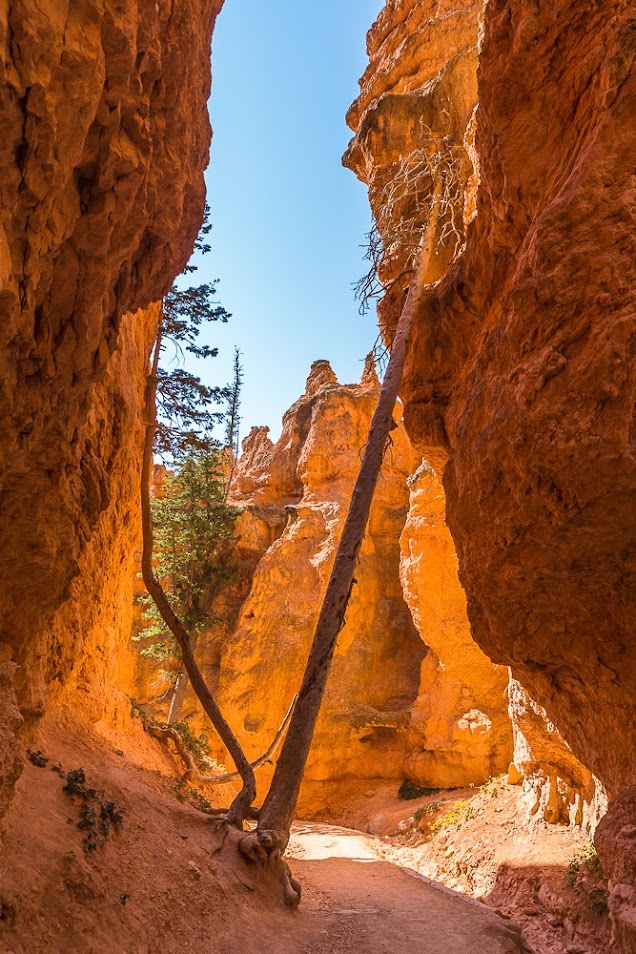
557 787
430 709
300 488
520 384
105 138
460 731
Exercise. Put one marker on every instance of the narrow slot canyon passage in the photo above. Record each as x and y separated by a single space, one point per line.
316 626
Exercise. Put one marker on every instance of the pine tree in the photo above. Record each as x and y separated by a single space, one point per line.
232 416
182 428
194 529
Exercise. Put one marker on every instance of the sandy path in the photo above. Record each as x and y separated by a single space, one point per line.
355 902
168 883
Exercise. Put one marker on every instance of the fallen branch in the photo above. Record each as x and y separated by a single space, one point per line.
192 774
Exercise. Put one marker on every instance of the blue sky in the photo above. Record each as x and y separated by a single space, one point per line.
288 220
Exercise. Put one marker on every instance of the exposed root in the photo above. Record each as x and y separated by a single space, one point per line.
165 734
192 774
266 848
222 814
292 891
259 845
406 201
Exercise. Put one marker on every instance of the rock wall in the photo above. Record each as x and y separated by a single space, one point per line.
520 384
300 488
557 787
460 731
394 708
105 138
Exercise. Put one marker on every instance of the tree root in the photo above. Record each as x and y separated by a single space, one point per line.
192 773
221 814
265 848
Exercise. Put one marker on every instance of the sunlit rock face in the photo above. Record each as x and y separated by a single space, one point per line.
521 373
460 731
558 788
394 709
104 140
306 478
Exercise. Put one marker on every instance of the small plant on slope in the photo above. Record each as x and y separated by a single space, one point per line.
458 814
424 810
585 874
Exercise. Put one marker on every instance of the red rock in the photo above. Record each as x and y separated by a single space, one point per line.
521 379
105 137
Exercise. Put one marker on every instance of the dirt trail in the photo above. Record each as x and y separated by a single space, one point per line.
167 882
370 906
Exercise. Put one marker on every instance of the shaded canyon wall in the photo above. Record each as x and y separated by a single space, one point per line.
520 381
105 138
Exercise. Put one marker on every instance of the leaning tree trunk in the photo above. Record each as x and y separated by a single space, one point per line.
241 805
278 809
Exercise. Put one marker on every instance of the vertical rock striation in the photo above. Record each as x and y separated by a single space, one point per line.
105 138
521 374
460 730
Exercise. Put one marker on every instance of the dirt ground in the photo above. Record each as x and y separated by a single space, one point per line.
111 861
492 852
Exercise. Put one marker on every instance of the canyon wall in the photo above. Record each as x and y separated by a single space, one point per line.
105 138
432 708
460 731
520 380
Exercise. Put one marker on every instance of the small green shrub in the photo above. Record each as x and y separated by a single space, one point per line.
198 745
191 796
425 810
96 816
584 860
37 758
492 786
598 899
459 813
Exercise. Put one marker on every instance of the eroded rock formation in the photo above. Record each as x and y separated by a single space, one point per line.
460 731
105 138
431 709
557 786
302 485
520 384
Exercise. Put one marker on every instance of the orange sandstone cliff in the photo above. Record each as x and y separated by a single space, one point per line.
520 382
460 731
430 708
105 138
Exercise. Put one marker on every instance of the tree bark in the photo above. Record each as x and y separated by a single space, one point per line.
241 805
280 804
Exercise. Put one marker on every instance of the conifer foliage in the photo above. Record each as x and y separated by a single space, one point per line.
179 426
194 530
185 405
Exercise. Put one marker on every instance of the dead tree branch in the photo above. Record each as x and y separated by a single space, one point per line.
404 207
192 774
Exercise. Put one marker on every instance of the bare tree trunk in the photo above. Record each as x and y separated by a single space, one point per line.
241 805
193 774
180 688
280 804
